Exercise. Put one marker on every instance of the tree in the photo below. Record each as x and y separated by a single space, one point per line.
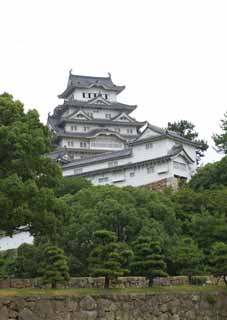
55 267
212 175
107 257
27 175
186 129
28 260
218 260
72 185
220 140
184 257
148 260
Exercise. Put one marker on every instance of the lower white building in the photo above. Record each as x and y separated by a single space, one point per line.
156 158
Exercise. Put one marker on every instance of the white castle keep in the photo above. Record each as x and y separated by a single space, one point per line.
96 137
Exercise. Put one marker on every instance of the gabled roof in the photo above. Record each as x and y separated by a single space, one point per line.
123 117
99 100
152 132
178 150
78 115
87 82
59 110
91 134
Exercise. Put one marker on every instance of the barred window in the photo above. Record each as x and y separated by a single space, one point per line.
112 163
149 145
150 169
103 179
78 170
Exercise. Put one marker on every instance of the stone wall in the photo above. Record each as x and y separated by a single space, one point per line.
98 282
82 282
116 307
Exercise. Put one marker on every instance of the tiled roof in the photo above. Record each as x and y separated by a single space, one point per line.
89 134
163 133
86 82
101 157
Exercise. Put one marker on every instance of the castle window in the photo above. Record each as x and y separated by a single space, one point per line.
103 179
150 169
95 95
112 164
70 143
106 96
84 144
108 115
84 95
89 95
129 131
78 170
149 145
73 128
132 174
86 129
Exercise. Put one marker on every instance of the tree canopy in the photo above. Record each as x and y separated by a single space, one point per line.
27 176
220 140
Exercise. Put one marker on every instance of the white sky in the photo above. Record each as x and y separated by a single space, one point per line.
170 54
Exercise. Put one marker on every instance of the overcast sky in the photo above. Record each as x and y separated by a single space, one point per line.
170 54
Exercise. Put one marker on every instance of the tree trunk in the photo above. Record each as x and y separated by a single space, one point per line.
225 279
151 281
54 285
107 283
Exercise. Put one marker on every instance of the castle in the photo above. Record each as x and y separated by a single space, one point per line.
96 137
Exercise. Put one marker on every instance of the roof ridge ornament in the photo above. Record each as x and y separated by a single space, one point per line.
109 74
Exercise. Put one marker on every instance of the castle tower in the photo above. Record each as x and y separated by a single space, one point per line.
91 120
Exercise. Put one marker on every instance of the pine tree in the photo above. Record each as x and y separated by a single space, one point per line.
107 258
220 140
148 260
55 266
218 260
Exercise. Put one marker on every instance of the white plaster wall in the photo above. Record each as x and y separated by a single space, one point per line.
158 149
78 94
101 113
96 166
80 127
141 176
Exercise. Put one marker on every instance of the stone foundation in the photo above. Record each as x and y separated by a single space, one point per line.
116 307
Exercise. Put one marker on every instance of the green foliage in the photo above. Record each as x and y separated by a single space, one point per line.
148 260
54 268
28 260
186 129
220 140
218 260
211 299
211 176
72 185
108 256
27 176
184 256
127 212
